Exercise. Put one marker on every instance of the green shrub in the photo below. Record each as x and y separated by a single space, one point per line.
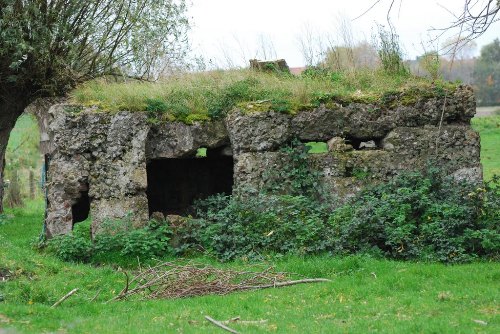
118 239
155 106
149 241
234 227
431 63
421 216
390 52
296 177
415 216
71 247
219 103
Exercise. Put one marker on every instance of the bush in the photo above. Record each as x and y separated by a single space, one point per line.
431 63
296 177
71 248
218 104
117 240
415 216
234 227
146 242
390 52
421 216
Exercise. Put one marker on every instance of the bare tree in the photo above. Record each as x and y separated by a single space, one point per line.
311 46
472 21
265 48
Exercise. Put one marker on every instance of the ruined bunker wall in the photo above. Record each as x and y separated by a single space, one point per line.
106 155
368 143
99 158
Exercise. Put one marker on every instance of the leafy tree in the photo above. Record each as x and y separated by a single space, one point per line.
48 46
487 74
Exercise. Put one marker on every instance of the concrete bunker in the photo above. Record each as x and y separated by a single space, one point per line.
119 165
174 184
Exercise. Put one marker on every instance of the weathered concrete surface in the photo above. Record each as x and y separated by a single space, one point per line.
345 171
106 151
258 132
369 121
105 155
177 140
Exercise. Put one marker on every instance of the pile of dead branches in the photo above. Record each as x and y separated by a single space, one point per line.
188 279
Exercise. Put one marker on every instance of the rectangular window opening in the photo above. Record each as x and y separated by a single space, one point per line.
175 184
81 208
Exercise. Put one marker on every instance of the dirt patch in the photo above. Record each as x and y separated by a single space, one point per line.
5 274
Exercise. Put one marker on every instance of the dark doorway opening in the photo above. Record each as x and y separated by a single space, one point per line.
81 209
174 184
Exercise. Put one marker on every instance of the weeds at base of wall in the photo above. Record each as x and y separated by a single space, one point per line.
117 243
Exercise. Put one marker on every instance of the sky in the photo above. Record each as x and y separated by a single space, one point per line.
229 32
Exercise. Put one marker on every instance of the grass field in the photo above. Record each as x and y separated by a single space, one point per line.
366 295
23 153
489 129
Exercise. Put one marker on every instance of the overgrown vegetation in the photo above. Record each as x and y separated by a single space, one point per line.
201 96
118 243
368 294
390 52
415 216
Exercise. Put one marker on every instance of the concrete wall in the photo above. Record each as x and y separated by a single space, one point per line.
105 154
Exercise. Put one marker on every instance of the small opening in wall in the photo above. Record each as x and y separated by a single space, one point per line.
202 152
364 144
81 208
317 147
174 184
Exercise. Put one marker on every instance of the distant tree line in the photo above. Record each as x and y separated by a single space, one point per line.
482 72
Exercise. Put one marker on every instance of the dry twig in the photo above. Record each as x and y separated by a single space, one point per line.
180 280
244 322
69 294
221 325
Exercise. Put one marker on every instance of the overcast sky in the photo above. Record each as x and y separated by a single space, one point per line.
233 30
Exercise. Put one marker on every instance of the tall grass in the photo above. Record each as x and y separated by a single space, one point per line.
210 94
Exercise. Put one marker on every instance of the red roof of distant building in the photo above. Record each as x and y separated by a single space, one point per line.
297 70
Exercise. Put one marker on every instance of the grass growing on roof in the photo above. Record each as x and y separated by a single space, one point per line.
193 97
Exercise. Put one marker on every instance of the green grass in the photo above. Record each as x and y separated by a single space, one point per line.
201 96
23 153
317 147
489 129
22 149
365 295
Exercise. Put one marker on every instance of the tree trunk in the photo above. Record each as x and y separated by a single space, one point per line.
32 184
9 112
